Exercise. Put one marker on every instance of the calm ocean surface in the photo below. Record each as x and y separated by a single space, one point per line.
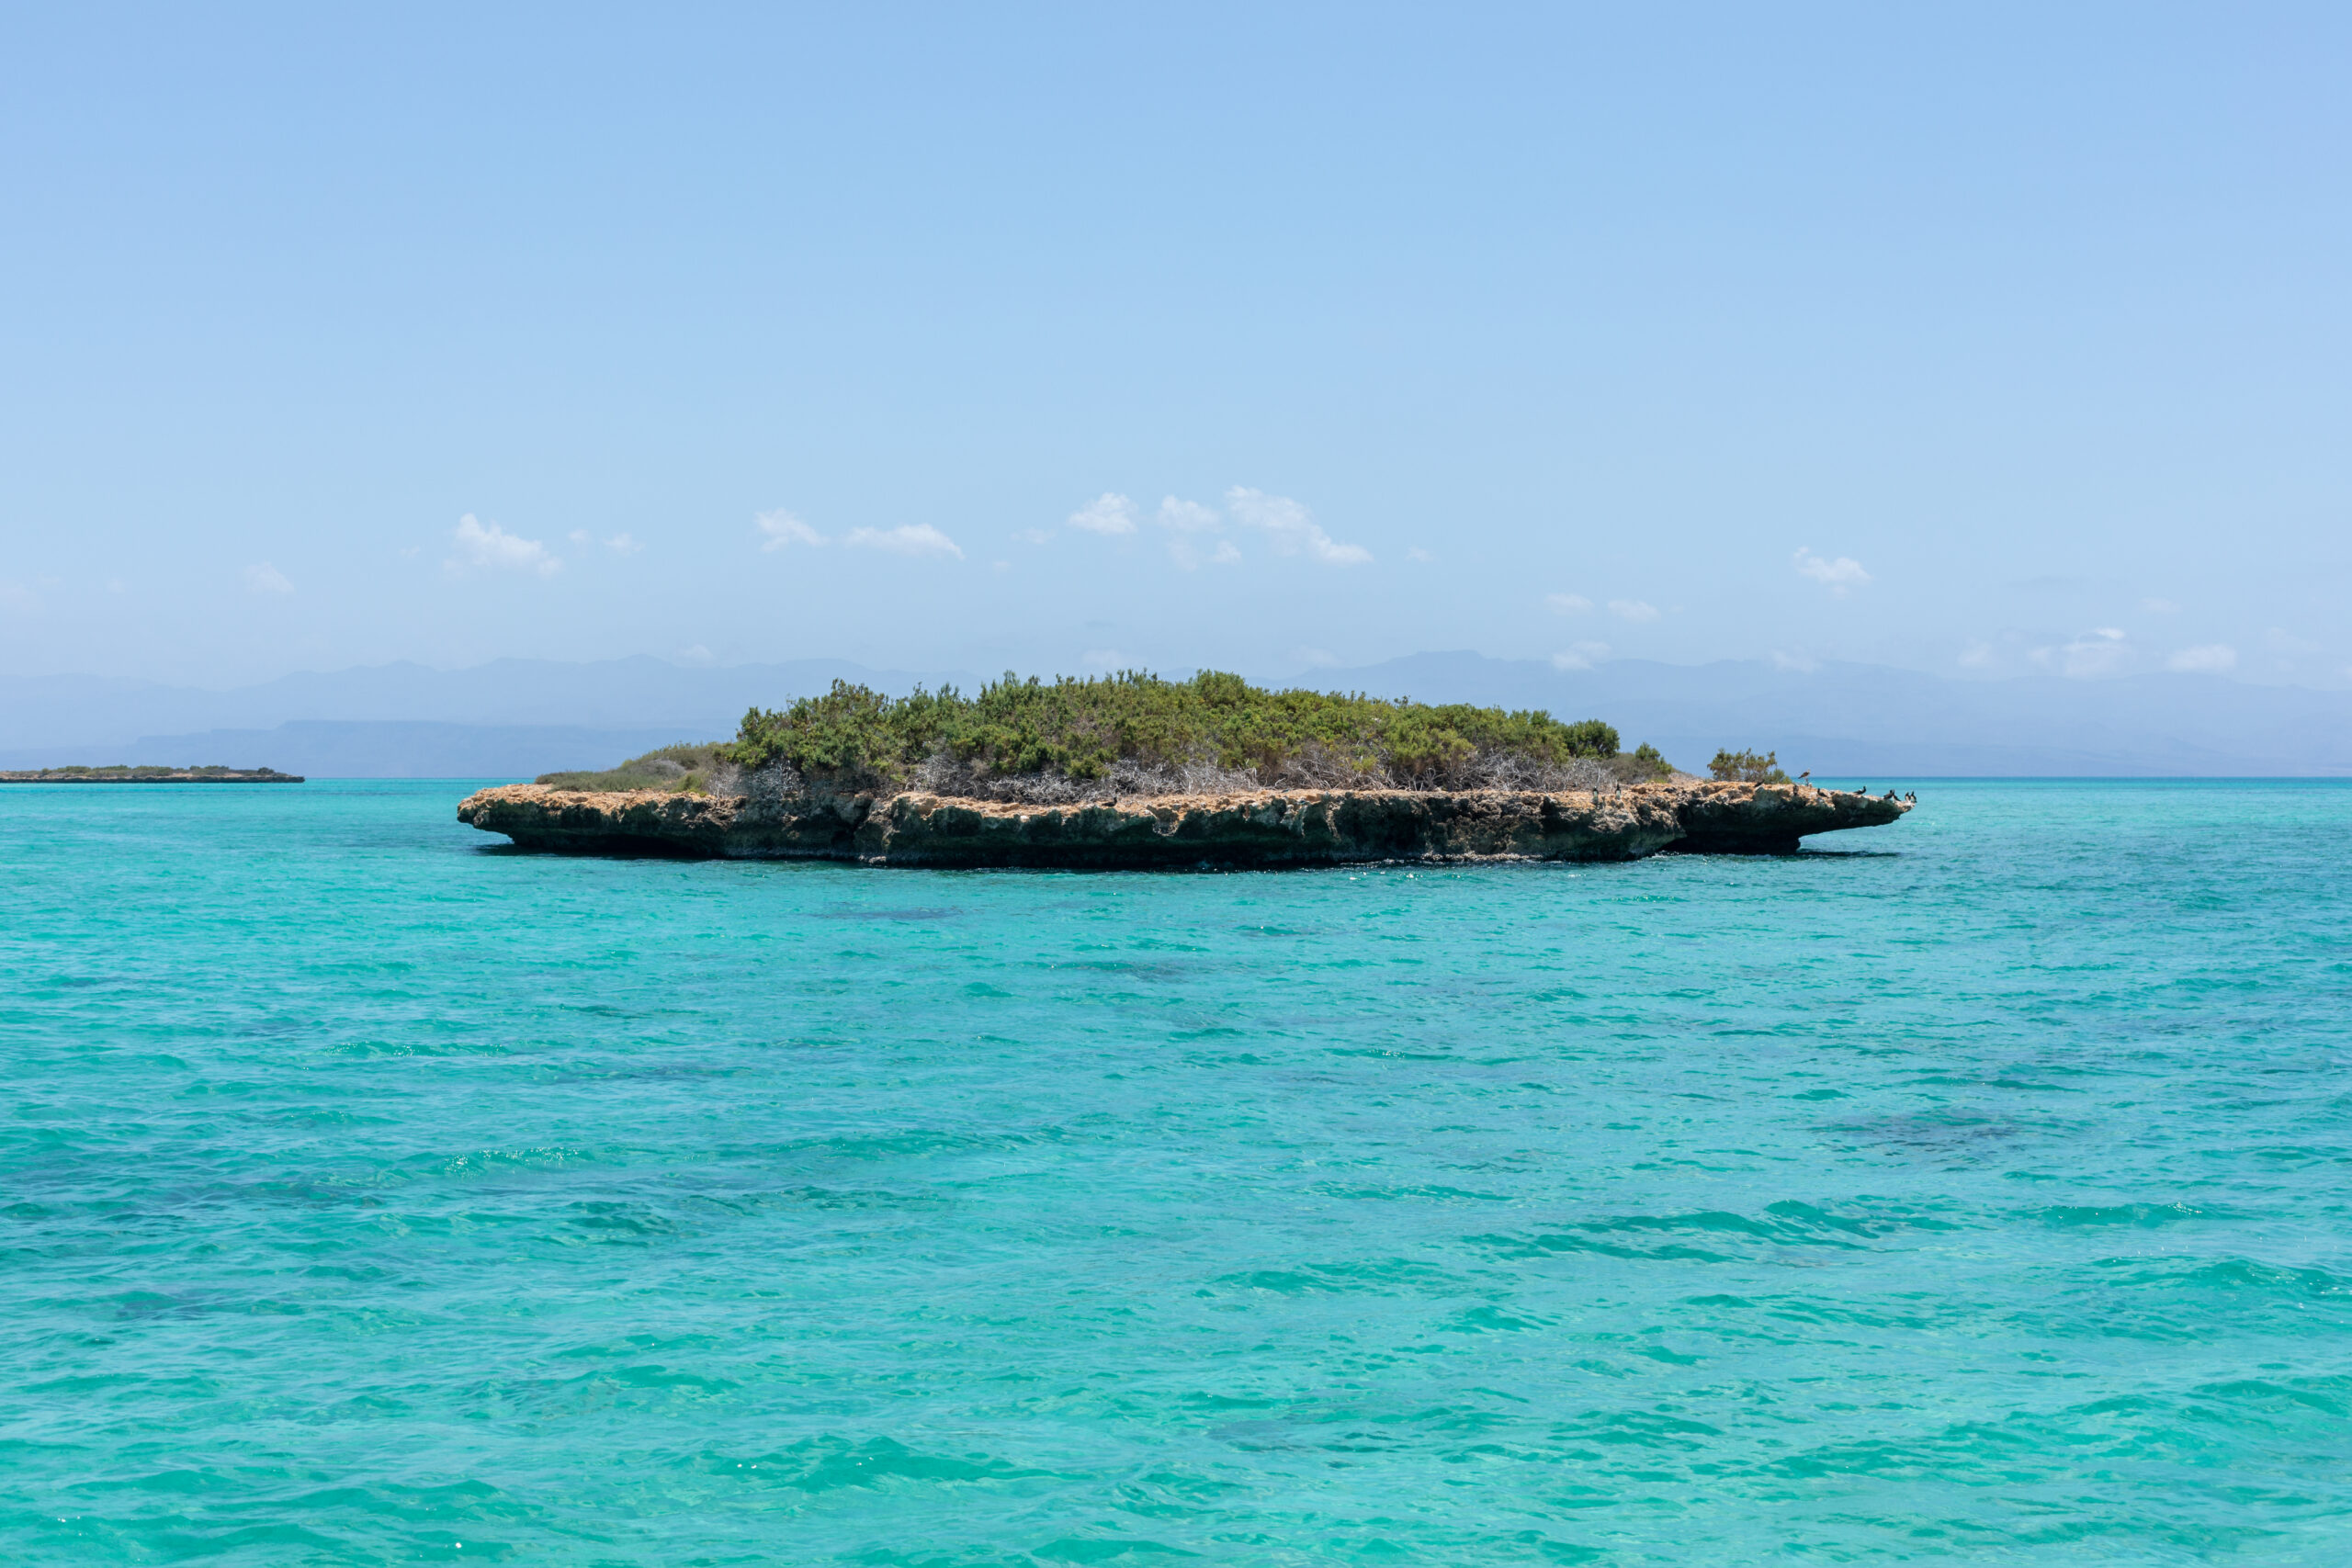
1977 1188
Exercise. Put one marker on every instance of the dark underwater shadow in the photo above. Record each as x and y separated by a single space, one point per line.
649 850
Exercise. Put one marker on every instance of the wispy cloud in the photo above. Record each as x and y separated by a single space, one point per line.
2158 606
489 548
1568 604
2205 659
784 529
1032 536
1580 655
1190 521
1419 555
1103 659
1796 663
2281 640
1633 610
263 578
1976 655
1840 576
1292 526
1188 552
1107 514
2104 651
911 539
619 544
1187 516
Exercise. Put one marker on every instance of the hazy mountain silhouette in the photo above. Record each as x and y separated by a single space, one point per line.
517 717
1850 719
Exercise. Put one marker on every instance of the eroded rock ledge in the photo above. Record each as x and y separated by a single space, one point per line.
1269 827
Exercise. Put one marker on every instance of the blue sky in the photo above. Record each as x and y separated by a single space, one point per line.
2010 340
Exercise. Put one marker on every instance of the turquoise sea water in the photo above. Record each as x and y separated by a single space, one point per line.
370 1196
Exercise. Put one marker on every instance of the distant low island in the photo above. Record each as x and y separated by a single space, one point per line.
1132 771
127 772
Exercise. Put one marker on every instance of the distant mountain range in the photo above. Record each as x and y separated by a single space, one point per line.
1872 721
516 717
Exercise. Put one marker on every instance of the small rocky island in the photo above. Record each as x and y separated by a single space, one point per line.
1133 772
124 772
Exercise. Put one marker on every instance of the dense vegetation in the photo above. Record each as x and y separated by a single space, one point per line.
1138 732
1748 767
688 769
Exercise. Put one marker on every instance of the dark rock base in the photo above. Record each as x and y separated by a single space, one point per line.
1270 828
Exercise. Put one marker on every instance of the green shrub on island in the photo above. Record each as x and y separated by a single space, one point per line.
1074 739
1748 767
1646 763
682 769
1138 733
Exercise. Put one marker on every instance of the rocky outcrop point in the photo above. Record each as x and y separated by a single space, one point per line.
1268 827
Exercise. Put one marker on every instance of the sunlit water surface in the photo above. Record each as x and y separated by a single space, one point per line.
1974 1188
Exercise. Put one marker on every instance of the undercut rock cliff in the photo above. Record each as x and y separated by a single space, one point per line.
1265 828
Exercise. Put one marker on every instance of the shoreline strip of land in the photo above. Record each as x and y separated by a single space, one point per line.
128 774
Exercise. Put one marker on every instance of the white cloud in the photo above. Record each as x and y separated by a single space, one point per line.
1799 664
2103 651
697 654
263 578
486 548
1187 553
1580 655
1318 658
1107 514
1840 576
911 539
1186 519
1293 527
783 528
1034 535
2284 641
623 545
1568 604
1976 655
1633 610
2205 658
2158 606
1416 554
1187 516
1102 658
